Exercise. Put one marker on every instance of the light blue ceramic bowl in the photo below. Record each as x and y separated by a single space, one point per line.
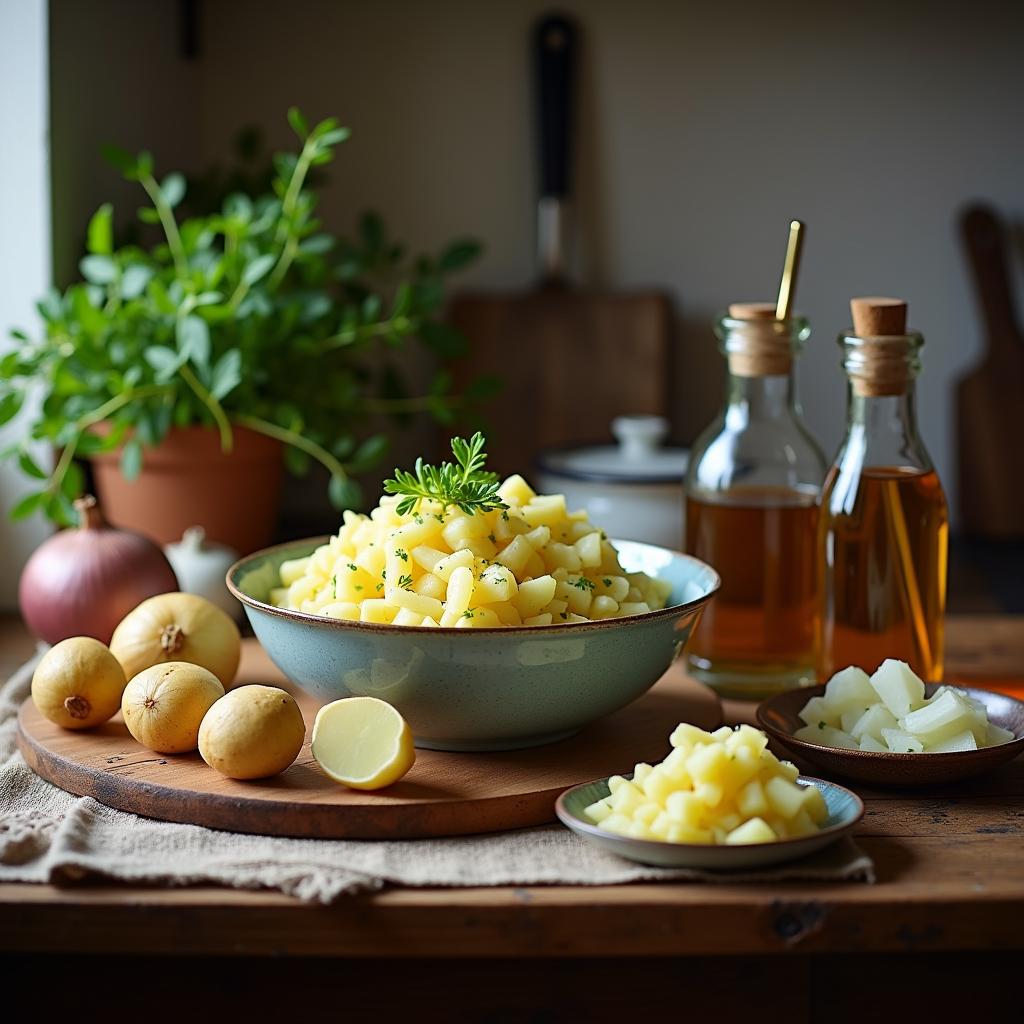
480 689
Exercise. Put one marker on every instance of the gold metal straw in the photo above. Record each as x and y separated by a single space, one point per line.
787 289
915 609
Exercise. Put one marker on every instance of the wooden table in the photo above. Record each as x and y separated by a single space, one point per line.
950 891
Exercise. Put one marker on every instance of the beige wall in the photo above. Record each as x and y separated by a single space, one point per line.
705 128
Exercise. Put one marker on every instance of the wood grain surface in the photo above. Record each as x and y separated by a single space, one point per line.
444 793
949 865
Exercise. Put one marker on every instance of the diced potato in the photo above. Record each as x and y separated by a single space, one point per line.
414 602
946 715
756 830
647 812
814 804
899 688
533 595
619 823
588 549
684 808
850 717
686 735
689 834
868 742
406 617
427 557
292 570
818 710
460 590
579 593
615 782
496 583
459 531
751 800
341 610
598 811
802 825
477 618
659 828
507 613
900 742
545 510
450 564
849 688
562 556
658 785
615 587
538 620
516 555
675 766
826 736
707 763
710 787
997 734
516 491
430 585
872 722
634 608
376 610
709 793
964 741
627 798
603 607
784 797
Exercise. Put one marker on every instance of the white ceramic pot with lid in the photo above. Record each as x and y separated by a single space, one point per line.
632 490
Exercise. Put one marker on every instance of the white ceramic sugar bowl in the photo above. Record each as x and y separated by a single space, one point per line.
632 490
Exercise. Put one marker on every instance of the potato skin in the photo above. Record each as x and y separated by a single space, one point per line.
252 732
78 683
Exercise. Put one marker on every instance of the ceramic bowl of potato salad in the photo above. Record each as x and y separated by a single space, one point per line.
491 616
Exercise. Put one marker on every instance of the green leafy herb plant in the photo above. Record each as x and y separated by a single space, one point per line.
464 483
251 316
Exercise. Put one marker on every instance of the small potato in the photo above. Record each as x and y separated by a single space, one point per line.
252 732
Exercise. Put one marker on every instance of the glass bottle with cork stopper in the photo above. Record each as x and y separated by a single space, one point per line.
883 531
751 510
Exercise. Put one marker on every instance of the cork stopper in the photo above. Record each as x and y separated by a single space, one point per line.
752 310
875 317
881 357
761 347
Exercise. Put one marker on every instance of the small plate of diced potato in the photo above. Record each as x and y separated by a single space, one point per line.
719 801
891 728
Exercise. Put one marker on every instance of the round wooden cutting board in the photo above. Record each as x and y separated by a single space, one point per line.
445 794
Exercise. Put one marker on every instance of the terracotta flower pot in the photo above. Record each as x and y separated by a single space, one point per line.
188 481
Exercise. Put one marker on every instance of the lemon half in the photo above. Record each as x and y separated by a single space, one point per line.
362 742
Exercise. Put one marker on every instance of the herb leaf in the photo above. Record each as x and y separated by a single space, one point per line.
464 483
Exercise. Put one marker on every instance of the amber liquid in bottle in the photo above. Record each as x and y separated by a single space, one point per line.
760 627
890 521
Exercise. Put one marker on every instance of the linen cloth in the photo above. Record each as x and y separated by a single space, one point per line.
47 835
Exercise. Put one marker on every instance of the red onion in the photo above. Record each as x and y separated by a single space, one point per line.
84 581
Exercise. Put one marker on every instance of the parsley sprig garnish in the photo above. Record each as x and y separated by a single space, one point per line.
464 483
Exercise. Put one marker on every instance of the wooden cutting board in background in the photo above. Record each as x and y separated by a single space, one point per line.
989 398
570 359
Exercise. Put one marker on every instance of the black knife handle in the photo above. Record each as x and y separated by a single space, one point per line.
554 46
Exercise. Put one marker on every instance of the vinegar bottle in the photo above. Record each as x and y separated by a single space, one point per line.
883 530
751 511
